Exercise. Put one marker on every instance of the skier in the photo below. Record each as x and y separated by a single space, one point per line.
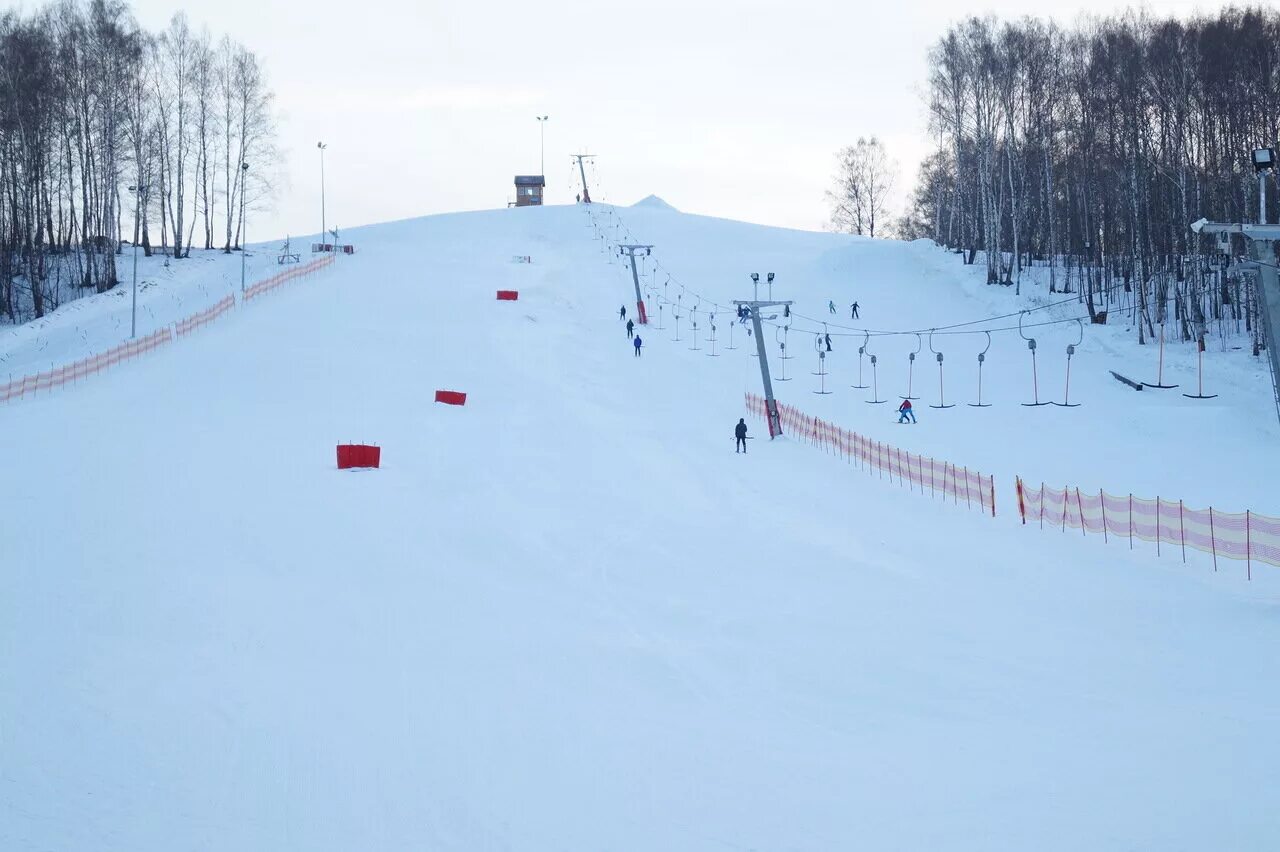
831 306
637 344
630 327
854 309
622 312
827 340
904 411
740 432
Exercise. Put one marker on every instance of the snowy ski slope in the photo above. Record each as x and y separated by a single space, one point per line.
567 616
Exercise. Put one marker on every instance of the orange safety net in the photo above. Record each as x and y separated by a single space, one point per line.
938 477
1246 536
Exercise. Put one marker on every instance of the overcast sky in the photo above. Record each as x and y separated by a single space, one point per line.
732 109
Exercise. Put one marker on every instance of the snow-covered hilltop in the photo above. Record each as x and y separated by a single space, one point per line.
568 616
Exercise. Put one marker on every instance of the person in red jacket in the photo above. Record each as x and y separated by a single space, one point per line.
904 411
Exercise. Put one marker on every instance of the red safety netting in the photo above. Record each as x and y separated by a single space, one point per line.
58 376
292 274
1244 536
200 320
939 478
55 377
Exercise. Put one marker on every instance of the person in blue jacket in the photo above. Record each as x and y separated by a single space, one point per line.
636 342
630 328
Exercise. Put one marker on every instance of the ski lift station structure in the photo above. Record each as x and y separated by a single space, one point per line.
529 190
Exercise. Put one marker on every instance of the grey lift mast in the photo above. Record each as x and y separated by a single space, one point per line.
630 251
770 404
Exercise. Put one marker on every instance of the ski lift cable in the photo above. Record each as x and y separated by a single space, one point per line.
941 328
852 331
866 333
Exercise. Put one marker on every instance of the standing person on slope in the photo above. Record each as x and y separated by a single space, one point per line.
622 312
831 306
637 344
630 327
854 309
740 433
904 411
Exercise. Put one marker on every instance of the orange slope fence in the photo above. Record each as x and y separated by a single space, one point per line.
292 274
200 320
939 477
1246 536
56 377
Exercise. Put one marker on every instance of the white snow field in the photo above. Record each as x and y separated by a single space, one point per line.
567 616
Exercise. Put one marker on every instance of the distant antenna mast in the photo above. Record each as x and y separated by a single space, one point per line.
586 196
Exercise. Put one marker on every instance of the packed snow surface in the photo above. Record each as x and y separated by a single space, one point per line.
567 616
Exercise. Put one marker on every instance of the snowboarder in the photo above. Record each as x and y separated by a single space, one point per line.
740 432
637 344
622 312
854 309
904 411
831 306
630 327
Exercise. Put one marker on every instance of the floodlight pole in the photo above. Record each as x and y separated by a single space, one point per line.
137 206
770 404
244 242
630 251
542 160
322 146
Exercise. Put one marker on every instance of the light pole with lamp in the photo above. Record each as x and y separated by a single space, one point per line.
137 205
542 159
244 242
322 146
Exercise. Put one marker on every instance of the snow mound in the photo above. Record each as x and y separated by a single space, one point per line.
653 202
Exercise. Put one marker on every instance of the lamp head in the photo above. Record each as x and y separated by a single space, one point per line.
770 277
1264 159
755 276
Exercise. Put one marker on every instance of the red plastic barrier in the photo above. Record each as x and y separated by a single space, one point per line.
508 295
358 455
451 397
644 316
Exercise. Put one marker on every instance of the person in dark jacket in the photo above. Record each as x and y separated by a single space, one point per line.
740 432
637 344
622 312
630 327
854 309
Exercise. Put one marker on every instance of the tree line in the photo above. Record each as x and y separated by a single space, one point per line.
111 135
1088 150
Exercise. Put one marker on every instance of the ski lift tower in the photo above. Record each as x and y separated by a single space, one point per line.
630 251
586 196
1262 240
770 404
